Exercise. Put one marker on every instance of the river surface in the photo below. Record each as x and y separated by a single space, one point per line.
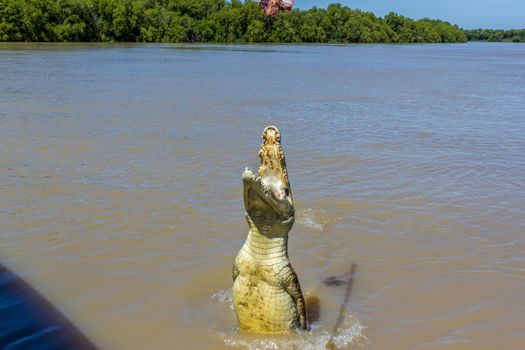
120 197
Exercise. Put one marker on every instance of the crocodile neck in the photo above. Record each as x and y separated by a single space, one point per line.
265 244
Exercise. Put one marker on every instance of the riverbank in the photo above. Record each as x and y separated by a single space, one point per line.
209 21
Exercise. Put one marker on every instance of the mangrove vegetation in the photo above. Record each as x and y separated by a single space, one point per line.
496 35
208 21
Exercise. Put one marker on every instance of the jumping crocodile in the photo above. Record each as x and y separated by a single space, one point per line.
267 295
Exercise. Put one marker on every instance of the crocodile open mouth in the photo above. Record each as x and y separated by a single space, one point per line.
272 182
272 171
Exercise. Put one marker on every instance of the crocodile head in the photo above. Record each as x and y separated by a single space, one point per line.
272 171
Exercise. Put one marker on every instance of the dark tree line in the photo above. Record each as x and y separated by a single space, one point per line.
208 21
512 35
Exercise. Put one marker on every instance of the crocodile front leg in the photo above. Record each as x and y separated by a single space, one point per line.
290 283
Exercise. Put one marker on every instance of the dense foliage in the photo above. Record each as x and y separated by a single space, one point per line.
208 21
514 35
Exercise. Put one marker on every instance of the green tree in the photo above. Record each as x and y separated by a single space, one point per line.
310 30
219 21
162 25
256 32
285 28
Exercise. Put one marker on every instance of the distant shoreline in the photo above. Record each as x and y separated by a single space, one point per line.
220 21
217 21
189 45
496 35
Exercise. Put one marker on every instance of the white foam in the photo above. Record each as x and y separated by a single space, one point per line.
224 296
351 331
311 218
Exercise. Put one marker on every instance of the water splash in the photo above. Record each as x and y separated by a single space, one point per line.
351 332
224 296
310 218
316 219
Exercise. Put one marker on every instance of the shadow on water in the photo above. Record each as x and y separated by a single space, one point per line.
28 321
313 308
347 279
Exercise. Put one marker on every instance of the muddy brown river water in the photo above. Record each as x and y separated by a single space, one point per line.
120 188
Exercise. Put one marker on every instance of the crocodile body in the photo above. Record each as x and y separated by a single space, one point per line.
267 295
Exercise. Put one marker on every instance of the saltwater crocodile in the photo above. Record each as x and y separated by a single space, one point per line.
267 295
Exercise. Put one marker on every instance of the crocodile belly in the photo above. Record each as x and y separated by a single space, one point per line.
263 308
